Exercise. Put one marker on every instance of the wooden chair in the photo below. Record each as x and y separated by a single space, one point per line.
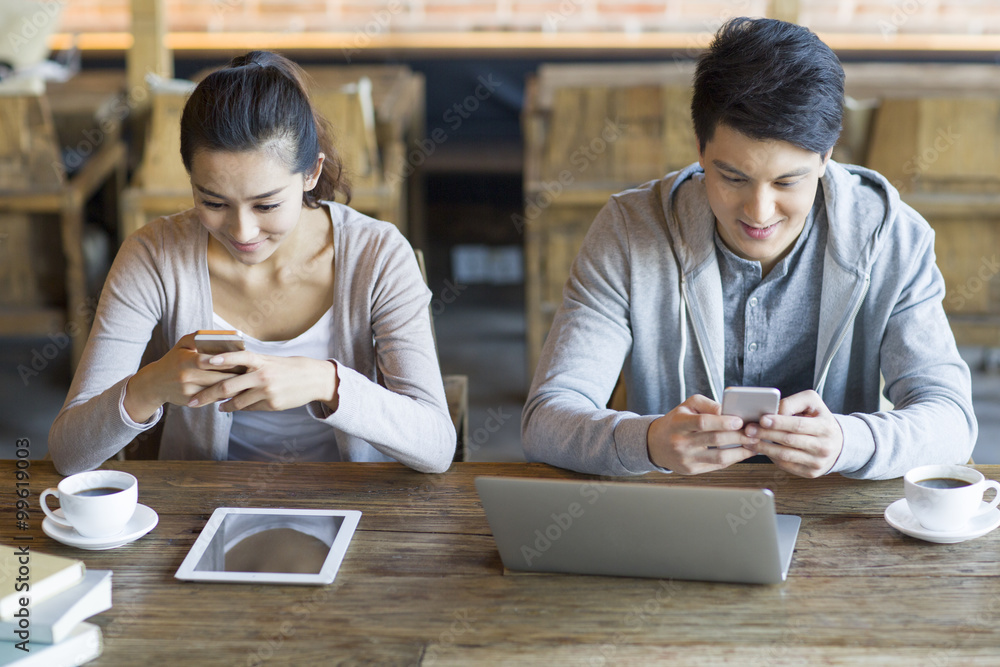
161 185
456 388
373 131
34 185
943 154
591 131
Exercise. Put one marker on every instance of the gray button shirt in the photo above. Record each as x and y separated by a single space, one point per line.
772 324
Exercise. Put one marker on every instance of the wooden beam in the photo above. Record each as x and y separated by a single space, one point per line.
516 43
148 52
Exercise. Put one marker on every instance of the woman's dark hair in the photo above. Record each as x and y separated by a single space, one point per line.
259 100
769 80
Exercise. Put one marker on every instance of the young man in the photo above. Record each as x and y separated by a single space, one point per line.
764 264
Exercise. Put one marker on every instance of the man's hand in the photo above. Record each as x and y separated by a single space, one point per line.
803 438
689 439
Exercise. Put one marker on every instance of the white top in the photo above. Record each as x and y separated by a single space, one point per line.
291 435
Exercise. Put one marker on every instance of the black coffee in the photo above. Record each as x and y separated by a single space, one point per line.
98 491
944 483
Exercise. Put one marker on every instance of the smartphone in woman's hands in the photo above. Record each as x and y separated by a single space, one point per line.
219 341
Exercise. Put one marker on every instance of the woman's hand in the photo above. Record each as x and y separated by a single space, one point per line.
175 378
270 383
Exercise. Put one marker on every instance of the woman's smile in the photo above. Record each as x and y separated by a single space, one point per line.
246 247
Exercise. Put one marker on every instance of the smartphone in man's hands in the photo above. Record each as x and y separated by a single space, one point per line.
750 403
220 341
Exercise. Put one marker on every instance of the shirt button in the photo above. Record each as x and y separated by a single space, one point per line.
753 302
752 347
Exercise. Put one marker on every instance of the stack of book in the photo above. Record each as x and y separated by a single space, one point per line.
44 603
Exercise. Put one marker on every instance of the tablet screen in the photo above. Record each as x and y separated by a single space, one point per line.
270 545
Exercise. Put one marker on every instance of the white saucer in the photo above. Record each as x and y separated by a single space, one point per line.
143 521
899 517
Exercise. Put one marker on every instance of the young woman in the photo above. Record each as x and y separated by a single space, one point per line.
340 359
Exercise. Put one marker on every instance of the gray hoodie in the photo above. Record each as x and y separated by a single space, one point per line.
644 297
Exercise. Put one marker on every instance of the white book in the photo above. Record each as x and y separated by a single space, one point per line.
32 576
83 645
53 620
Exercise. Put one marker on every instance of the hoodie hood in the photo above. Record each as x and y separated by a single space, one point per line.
861 207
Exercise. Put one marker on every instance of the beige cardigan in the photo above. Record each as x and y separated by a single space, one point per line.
158 291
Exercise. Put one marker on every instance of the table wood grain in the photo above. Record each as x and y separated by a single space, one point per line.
423 584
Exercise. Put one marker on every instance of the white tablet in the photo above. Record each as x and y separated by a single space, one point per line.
279 546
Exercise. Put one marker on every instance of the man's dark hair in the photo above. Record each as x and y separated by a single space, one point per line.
769 80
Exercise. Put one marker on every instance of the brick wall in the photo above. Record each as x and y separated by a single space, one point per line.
380 16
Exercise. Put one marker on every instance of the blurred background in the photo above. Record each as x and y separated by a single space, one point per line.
489 131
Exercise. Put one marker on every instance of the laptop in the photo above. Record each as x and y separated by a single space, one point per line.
639 530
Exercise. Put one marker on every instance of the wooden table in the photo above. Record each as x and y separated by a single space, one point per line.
422 582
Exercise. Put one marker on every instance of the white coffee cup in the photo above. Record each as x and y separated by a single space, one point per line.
947 497
98 503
